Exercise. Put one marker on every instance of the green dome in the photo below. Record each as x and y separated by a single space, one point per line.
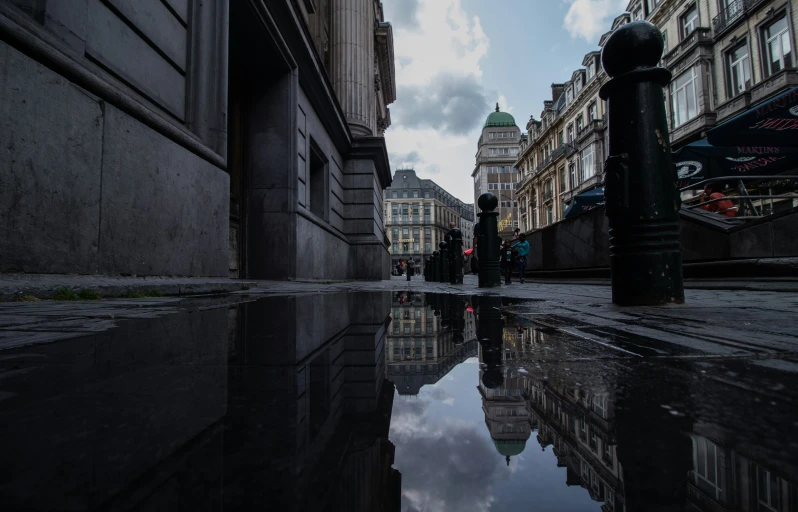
499 119
509 448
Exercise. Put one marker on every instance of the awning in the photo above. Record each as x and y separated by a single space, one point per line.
584 202
773 123
701 160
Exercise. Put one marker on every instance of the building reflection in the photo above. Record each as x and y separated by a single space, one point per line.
501 385
279 403
429 335
617 437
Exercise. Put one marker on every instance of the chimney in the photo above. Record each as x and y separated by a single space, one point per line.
556 91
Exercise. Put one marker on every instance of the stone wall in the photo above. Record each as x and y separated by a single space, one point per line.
114 148
85 188
582 242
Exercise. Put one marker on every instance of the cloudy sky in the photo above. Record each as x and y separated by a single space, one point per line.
450 464
455 59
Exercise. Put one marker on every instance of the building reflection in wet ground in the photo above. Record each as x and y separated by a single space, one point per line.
382 402
280 403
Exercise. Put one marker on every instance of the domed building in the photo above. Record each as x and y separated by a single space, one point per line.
494 172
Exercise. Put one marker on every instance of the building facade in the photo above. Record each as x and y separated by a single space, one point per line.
495 172
427 338
417 216
562 154
725 55
195 138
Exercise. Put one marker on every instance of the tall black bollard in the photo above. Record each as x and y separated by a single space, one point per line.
443 277
426 269
433 266
456 257
488 242
642 203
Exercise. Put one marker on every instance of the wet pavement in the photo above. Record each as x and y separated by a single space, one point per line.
362 398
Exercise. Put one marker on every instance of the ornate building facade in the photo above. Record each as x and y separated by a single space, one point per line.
495 172
725 55
563 152
417 216
195 138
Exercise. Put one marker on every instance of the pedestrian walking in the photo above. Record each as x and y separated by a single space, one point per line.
522 250
507 260
411 269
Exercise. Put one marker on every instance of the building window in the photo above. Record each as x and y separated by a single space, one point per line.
569 94
591 70
550 214
689 21
572 173
427 247
562 179
319 181
577 85
570 133
738 68
416 247
405 232
580 124
394 195
684 95
404 194
415 193
767 489
651 5
778 50
705 464
592 112
638 15
664 42
587 163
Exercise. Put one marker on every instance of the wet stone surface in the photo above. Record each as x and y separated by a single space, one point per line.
393 400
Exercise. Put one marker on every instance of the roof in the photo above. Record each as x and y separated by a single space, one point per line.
509 448
498 118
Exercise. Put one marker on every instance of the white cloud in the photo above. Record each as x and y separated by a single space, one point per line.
440 115
589 19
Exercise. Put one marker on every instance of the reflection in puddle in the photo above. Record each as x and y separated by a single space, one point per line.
289 402
635 435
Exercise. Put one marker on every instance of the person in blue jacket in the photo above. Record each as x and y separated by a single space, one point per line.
522 250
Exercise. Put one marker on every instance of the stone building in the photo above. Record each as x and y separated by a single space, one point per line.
422 345
494 172
417 216
725 55
195 138
564 151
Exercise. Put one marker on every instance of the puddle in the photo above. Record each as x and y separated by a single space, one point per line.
380 401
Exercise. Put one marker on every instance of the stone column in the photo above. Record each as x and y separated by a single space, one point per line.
352 63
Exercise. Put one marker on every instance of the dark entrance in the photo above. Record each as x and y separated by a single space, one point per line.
259 128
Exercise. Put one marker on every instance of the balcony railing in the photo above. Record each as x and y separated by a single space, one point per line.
700 35
594 125
547 195
732 12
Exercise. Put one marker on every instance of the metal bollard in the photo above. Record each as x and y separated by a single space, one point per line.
433 266
642 203
426 269
456 257
488 242
443 276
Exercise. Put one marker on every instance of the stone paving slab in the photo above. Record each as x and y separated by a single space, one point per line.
716 323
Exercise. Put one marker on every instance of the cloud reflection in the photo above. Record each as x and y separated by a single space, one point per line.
446 463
